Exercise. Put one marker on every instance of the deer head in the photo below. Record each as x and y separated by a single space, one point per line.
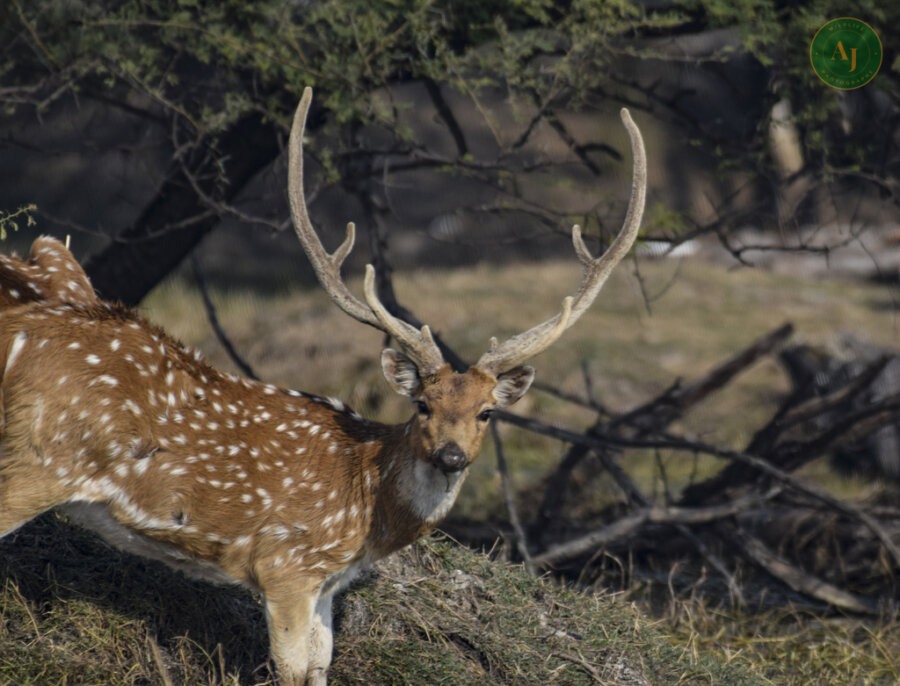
453 409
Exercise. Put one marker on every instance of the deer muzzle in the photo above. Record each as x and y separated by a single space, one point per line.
449 458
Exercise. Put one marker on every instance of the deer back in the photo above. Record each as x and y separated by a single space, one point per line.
240 473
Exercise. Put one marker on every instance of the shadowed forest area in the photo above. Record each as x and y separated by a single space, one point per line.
701 486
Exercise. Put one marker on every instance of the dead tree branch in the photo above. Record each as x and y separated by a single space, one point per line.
653 416
801 581
652 514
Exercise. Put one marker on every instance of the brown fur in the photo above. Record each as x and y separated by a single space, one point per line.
453 400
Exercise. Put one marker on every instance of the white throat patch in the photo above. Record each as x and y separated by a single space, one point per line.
428 491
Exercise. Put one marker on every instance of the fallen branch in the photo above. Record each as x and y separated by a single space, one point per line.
698 447
655 415
847 508
635 496
797 579
654 514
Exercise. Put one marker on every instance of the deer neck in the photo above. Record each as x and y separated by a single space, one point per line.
413 496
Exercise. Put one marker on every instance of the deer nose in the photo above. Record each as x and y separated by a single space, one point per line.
449 458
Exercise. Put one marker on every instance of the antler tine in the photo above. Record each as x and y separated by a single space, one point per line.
327 267
419 346
525 345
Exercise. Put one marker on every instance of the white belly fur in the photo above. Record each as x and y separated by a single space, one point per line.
96 517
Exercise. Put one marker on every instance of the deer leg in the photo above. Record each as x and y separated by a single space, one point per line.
289 613
321 641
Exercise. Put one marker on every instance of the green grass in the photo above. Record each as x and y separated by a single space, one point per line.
454 617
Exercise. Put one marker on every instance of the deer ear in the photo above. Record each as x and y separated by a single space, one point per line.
401 372
512 385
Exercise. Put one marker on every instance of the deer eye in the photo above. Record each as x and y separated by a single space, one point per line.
422 408
484 415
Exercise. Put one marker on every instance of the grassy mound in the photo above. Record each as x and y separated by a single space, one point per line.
74 611
441 614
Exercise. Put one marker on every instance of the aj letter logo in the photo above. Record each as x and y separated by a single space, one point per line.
846 53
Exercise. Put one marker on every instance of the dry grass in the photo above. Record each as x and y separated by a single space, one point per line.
488 622
76 612
792 646
73 611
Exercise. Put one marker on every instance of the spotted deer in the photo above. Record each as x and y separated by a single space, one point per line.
137 437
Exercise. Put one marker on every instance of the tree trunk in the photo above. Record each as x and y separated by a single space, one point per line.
144 253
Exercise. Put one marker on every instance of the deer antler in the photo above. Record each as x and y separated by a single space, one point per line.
505 356
418 345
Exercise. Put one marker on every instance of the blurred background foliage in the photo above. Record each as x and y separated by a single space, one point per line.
467 89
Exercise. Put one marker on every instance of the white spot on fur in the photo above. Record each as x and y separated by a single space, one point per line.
15 349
